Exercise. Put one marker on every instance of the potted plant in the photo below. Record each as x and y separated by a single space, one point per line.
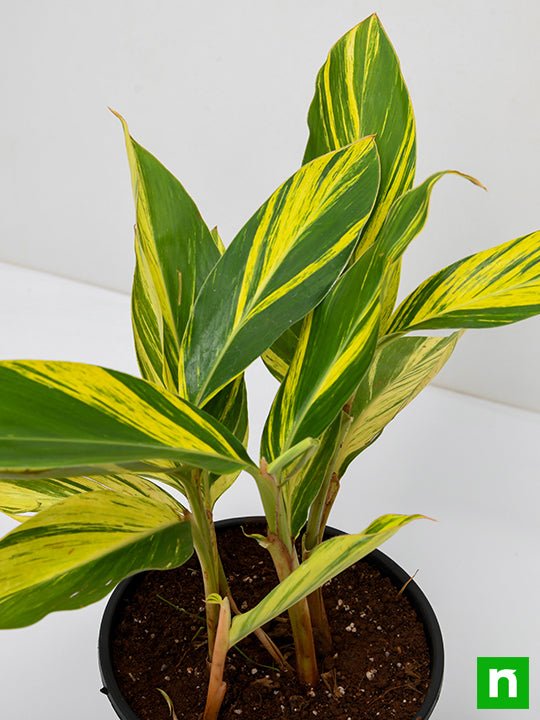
111 475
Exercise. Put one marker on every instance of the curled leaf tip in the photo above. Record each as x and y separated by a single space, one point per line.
214 599
472 179
115 113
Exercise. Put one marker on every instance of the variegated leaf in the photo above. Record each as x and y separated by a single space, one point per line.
360 91
25 495
65 419
230 407
325 562
302 488
336 345
405 220
75 552
401 368
493 287
278 357
279 266
175 253
408 215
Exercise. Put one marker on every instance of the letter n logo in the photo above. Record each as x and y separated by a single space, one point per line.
502 683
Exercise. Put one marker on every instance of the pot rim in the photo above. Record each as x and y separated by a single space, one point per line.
389 567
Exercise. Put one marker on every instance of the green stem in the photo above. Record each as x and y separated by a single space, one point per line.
321 506
306 661
205 544
316 525
321 626
331 496
283 553
263 638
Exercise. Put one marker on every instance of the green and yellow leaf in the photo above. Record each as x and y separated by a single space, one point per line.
279 266
230 407
336 345
408 215
405 220
302 488
400 369
24 495
490 288
279 355
64 419
360 91
75 552
175 252
327 560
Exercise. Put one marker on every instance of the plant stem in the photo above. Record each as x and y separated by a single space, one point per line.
306 661
319 511
217 686
317 520
331 496
321 626
205 544
263 638
317 609
283 553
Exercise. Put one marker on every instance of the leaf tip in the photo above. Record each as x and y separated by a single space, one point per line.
121 118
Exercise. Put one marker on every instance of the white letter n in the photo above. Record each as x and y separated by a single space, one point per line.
495 676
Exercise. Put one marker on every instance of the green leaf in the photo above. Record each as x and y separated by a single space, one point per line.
360 91
175 252
76 552
33 495
303 450
279 266
405 220
63 419
302 487
230 407
336 345
390 289
327 560
278 357
408 215
401 368
493 287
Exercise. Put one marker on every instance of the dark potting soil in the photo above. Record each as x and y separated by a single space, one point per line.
380 668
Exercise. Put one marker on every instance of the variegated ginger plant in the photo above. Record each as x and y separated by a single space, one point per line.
310 284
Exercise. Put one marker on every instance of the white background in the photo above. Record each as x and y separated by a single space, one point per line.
219 91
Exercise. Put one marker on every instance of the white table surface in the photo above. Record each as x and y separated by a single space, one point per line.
472 464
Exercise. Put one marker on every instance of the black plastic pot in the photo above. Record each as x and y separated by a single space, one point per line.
382 562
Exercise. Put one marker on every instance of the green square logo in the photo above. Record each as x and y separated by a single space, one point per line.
502 683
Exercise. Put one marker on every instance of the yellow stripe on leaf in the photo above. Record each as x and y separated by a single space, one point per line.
279 266
175 252
401 368
59 418
335 348
360 91
75 552
493 287
34 495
